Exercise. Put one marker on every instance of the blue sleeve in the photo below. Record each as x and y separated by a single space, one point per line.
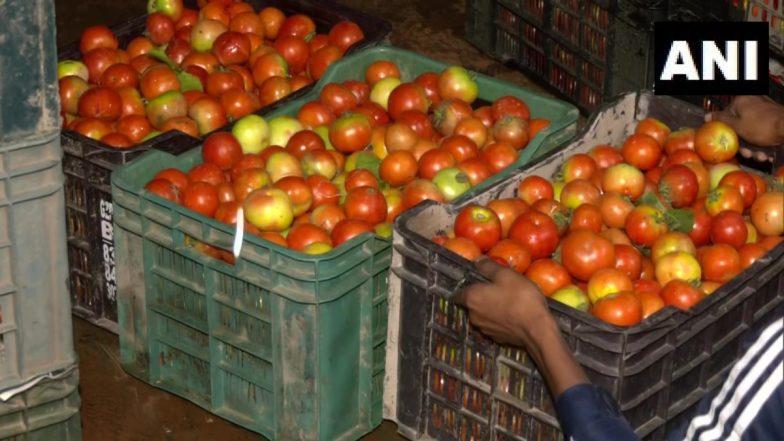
588 413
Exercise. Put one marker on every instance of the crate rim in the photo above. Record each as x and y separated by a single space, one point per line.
657 320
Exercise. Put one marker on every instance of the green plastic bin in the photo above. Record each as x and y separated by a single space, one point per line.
285 344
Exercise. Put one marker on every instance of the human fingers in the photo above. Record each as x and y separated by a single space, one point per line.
489 268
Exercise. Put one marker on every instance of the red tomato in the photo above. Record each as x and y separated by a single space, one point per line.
158 80
315 113
247 161
608 281
650 301
509 129
327 216
163 188
350 133
175 176
682 139
337 98
376 114
729 227
476 170
117 140
681 294
461 147
645 224
361 90
557 212
360 177
628 260
606 156
578 192
303 142
499 155
614 209
533 188
767 213
770 242
348 229
398 168
378 70
720 263
418 122
586 217
724 198
429 83
620 309
407 96
584 252
302 235
623 179
463 247
247 181
367 204
577 166
649 285
160 28
201 197
510 106
716 142
744 183
221 149
679 186
434 161
298 25
295 51
700 233
324 191
480 224
419 190
507 211
207 172
750 253
100 102
345 34
648 271
299 192
118 76
653 128
97 36
548 275
537 231
321 59
509 253
641 151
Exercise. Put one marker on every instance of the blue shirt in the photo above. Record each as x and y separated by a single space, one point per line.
748 406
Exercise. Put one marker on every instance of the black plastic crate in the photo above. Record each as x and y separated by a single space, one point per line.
586 51
451 383
88 164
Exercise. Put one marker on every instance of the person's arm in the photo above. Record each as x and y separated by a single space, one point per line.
512 310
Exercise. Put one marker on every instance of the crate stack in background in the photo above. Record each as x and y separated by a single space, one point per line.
88 164
590 51
38 373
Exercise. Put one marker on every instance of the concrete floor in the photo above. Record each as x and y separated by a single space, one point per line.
118 407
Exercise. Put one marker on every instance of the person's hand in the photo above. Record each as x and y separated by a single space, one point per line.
508 309
757 119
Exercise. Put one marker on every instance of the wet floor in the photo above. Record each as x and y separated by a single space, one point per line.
118 407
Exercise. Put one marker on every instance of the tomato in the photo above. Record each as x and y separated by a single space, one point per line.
767 213
360 177
533 188
461 147
607 281
419 190
770 242
100 102
679 186
407 96
678 265
578 192
321 59
324 191
359 89
378 70
670 243
703 178
586 217
315 113
720 263
537 231
272 18
577 166
649 285
762 186
376 114
176 177
303 142
367 204
584 252
511 254
716 142
653 128
473 129
434 161
160 28
232 48
507 211
449 113
548 275
745 185
614 209
729 227
463 247
247 161
650 301
479 224
709 288
428 81
511 130
641 151
299 192
681 294
302 235
536 125
295 51
158 80
98 60
724 198
118 76
476 170
682 156
616 236
297 25
606 156
628 260
200 197
418 122
682 139
645 224
648 271
337 98
510 106
556 211
499 155
345 34
163 188
350 133
267 66
248 23
221 149
394 198
399 136
248 180
327 216
398 168
93 128
750 253
423 146
227 212
183 124
206 172
97 36
619 309
624 179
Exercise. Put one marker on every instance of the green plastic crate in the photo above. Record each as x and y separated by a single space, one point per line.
563 116
285 344
49 411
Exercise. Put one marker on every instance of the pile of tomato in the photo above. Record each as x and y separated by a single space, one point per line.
193 70
665 219
354 159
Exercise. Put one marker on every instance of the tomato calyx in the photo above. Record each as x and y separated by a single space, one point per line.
677 219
